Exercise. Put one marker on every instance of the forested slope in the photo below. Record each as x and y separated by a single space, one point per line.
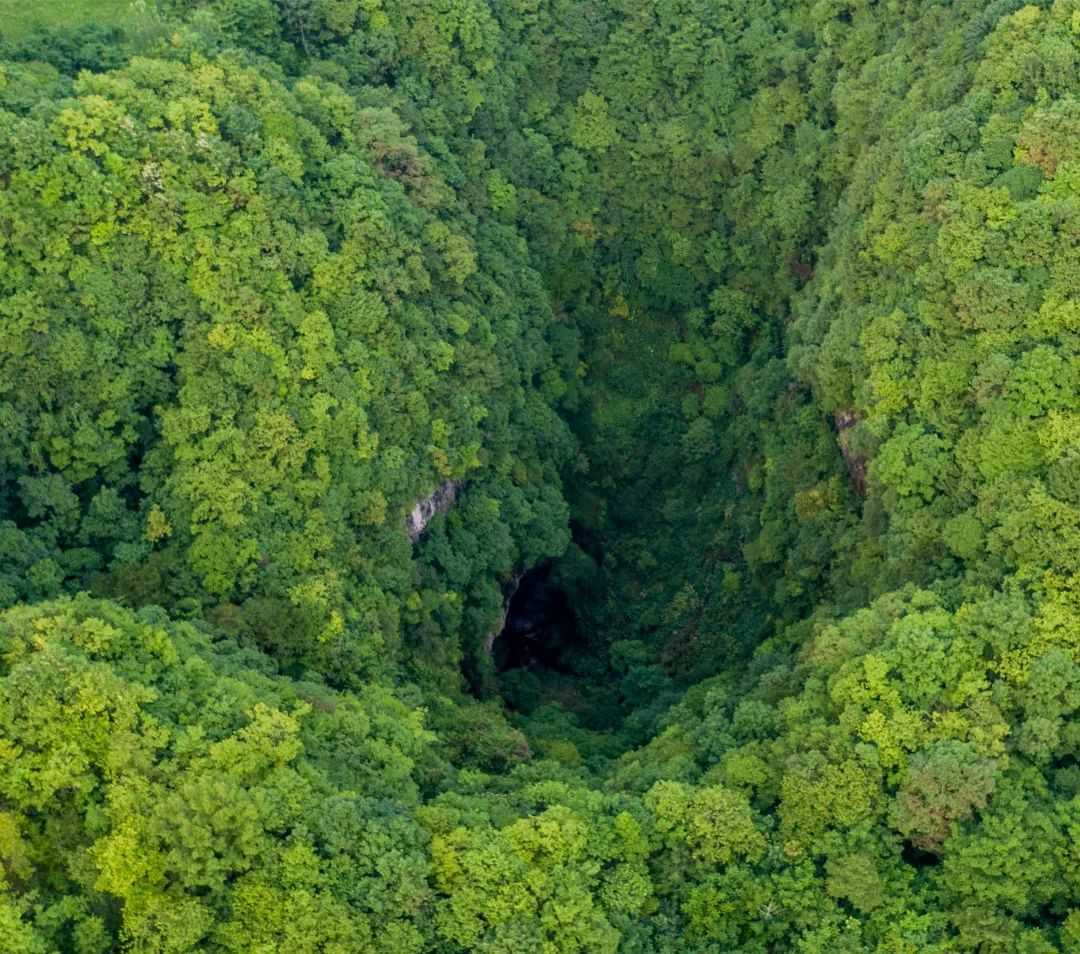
749 330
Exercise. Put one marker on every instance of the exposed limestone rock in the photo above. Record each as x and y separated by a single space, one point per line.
440 501
856 463
494 634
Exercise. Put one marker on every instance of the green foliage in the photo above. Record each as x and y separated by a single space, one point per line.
199 800
316 350
946 783
18 19
772 307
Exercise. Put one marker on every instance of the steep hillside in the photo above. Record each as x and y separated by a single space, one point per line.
541 475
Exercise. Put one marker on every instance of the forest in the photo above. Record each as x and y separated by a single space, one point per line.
556 476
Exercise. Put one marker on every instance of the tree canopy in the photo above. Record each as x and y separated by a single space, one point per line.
540 475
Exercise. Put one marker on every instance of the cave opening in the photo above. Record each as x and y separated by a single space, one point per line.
540 628
919 858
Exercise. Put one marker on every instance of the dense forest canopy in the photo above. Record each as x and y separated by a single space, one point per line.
540 475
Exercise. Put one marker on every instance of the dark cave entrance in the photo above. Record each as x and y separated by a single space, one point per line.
918 857
540 625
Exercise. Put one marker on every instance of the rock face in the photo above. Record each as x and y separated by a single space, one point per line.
495 633
856 464
440 501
